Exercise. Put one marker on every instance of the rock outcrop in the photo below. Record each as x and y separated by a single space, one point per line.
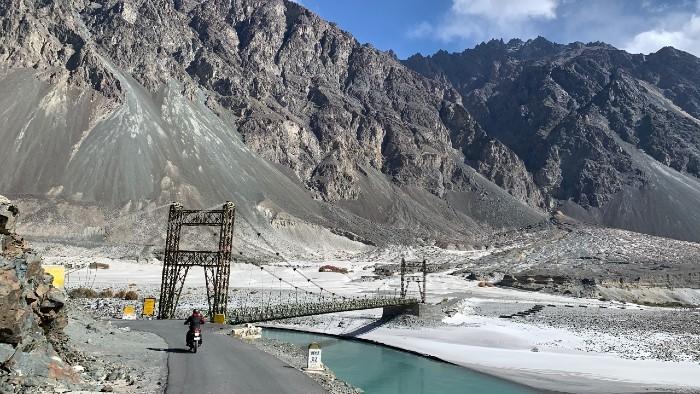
8 217
32 320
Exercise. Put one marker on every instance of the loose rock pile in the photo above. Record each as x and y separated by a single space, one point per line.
45 349
32 317
524 313
114 358
640 334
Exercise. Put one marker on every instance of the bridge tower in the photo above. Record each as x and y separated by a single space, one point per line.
177 263
410 267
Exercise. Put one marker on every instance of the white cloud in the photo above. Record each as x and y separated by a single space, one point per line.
506 10
638 26
686 37
423 29
484 19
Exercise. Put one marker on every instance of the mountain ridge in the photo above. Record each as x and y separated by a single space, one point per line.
205 101
266 103
568 111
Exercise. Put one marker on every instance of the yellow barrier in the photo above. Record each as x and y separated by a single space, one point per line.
219 318
149 307
129 313
58 272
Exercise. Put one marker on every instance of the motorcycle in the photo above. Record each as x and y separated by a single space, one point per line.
195 340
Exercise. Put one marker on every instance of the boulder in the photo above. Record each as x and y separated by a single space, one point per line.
57 296
15 311
6 351
8 215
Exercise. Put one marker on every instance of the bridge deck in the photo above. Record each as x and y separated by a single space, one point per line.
284 311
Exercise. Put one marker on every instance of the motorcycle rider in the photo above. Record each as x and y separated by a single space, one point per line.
195 321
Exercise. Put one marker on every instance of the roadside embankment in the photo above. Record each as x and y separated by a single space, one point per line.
295 356
48 344
114 358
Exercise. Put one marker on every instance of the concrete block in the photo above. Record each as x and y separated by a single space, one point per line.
248 331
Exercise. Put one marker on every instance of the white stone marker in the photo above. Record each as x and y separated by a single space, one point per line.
249 331
314 363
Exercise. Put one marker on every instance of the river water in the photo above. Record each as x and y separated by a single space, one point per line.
381 370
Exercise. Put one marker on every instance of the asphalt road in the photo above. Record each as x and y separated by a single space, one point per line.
222 364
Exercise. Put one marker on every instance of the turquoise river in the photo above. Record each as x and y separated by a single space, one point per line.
379 369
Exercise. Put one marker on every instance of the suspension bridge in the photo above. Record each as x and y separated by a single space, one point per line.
315 299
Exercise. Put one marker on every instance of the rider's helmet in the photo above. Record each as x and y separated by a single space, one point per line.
195 312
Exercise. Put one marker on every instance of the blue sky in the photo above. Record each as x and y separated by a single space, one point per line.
425 26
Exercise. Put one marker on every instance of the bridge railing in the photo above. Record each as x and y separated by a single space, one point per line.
284 311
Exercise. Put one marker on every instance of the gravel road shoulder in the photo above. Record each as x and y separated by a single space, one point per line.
296 357
116 358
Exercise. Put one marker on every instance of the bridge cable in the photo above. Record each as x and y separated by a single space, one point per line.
286 261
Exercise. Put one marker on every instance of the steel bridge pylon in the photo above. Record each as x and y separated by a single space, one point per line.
177 263
410 267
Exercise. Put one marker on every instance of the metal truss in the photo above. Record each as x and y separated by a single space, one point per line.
411 267
177 263
284 311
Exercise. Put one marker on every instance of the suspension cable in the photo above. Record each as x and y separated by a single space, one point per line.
284 260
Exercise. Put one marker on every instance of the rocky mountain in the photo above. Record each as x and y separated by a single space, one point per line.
611 137
135 103
118 106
